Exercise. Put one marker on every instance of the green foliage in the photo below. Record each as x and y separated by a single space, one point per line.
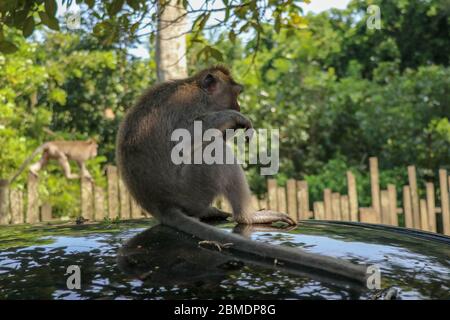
338 92
119 21
64 88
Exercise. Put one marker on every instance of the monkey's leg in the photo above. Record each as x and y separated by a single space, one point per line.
84 171
64 163
34 168
238 193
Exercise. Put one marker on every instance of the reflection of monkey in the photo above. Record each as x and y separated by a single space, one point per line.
63 151
176 193
162 257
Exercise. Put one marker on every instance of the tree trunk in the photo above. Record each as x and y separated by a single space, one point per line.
171 40
4 194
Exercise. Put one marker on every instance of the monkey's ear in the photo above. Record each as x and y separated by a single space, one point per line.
209 82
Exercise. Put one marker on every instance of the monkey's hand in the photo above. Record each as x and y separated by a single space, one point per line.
238 121
224 120
242 122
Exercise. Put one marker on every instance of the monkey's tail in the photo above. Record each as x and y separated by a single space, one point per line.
289 257
27 161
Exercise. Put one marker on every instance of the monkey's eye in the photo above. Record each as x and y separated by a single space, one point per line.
209 82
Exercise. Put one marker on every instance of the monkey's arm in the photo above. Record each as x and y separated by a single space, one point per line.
223 120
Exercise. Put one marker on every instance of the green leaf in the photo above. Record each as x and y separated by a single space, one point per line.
19 18
216 54
277 24
28 27
201 20
202 52
7 47
134 27
134 4
50 7
50 22
90 3
232 36
115 7
101 28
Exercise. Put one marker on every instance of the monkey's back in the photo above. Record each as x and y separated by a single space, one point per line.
144 145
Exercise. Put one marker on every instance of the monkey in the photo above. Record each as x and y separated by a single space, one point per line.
181 195
62 151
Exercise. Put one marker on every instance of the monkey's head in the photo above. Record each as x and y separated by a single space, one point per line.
220 87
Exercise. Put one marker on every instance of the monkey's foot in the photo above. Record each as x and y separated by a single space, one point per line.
34 172
216 244
213 214
269 216
88 178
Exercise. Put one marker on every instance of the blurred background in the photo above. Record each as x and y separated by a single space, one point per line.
340 87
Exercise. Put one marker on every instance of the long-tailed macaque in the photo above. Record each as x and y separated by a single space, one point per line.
180 195
63 151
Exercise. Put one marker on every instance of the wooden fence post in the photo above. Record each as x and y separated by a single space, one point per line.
431 206
225 205
292 199
99 204
392 194
445 209
33 199
414 196
46 212
263 203
113 197
407 207
424 215
136 211
4 201
345 208
254 201
352 196
272 194
385 207
87 200
327 204
336 206
281 198
369 215
16 202
303 200
319 211
375 186
124 197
